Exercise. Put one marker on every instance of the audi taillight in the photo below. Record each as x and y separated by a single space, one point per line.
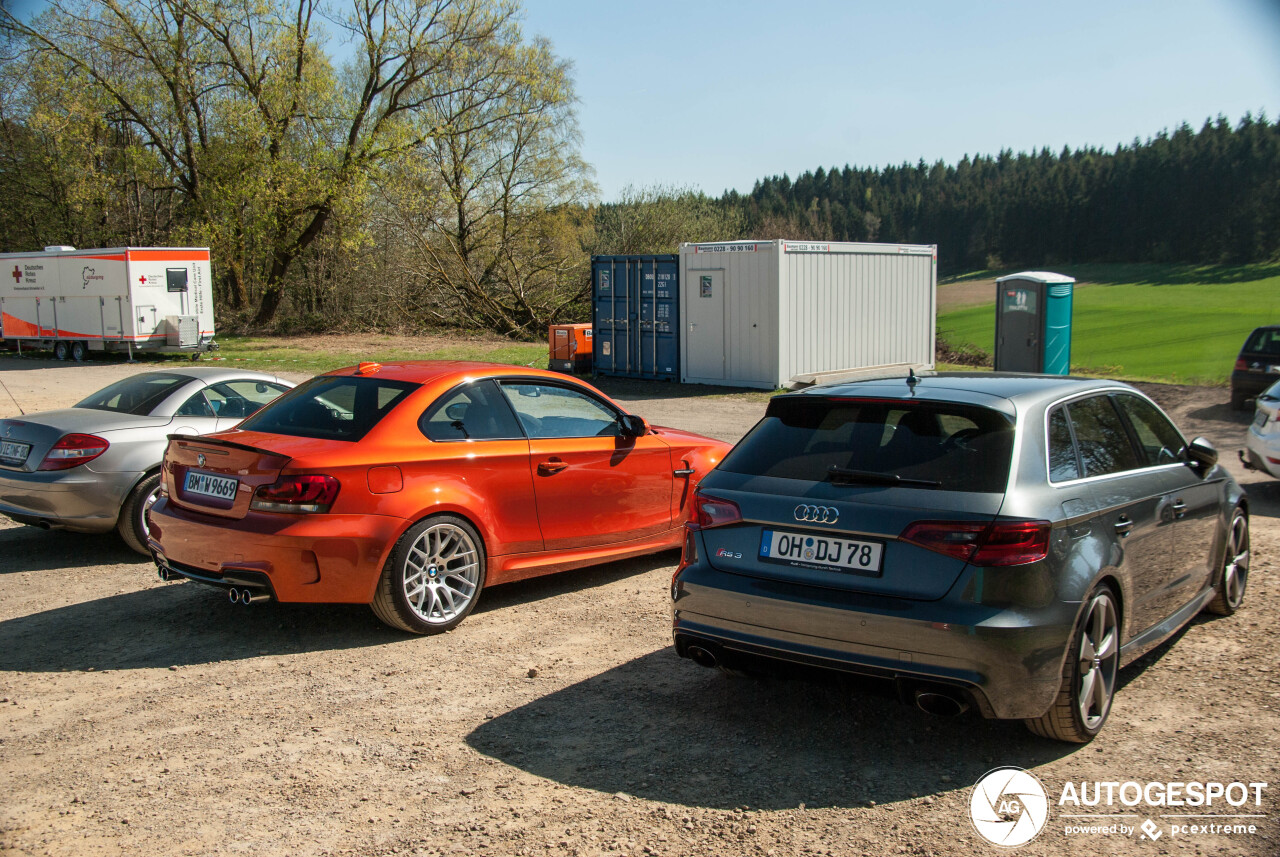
714 512
73 450
996 543
309 492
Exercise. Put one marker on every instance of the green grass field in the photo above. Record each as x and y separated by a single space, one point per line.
322 354
1157 323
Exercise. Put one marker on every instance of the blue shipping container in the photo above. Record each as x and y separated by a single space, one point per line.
636 309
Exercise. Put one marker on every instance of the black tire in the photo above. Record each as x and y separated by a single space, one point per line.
433 577
1084 698
78 351
59 350
132 523
1233 577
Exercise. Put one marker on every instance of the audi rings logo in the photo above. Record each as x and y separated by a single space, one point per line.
817 514
1008 807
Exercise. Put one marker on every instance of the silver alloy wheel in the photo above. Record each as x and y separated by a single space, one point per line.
441 573
1099 661
1235 572
144 507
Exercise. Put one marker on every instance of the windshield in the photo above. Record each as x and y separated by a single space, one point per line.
341 407
139 395
944 446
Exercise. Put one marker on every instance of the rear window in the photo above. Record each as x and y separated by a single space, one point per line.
331 407
959 447
1264 340
138 395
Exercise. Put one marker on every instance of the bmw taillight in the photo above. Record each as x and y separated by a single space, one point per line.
996 543
714 512
73 450
308 492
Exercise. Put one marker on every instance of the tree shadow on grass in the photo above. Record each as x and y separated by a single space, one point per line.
660 728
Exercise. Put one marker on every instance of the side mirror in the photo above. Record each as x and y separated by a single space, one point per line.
632 425
1202 452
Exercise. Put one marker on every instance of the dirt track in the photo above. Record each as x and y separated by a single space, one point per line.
145 718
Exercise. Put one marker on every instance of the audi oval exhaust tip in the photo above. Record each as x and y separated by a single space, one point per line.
700 656
940 704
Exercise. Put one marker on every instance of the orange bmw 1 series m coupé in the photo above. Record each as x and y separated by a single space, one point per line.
412 486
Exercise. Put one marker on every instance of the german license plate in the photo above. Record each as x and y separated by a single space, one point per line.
208 485
806 550
11 450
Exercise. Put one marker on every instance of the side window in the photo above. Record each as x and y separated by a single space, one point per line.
1063 463
1100 434
1160 441
547 411
196 406
474 412
239 399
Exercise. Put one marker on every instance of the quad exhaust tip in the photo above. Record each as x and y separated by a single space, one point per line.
940 704
702 657
246 596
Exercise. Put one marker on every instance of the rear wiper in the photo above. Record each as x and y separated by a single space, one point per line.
844 475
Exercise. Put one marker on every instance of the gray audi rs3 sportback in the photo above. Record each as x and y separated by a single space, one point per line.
990 541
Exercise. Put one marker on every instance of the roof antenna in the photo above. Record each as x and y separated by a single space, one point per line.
912 380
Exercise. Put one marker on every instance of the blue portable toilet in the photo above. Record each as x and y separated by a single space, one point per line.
1033 323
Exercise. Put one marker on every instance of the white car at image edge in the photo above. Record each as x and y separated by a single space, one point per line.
1262 441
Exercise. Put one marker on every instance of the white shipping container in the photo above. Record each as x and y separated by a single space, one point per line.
118 299
772 313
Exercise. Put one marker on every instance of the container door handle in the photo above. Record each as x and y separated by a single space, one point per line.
551 467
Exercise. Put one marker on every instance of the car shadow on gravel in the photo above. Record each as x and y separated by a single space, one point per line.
180 624
663 729
639 389
34 549
186 624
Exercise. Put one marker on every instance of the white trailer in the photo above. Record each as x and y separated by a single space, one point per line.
121 299
775 313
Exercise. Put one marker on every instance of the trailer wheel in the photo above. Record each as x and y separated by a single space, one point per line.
78 350
59 350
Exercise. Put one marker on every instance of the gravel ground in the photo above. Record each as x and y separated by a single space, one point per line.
145 718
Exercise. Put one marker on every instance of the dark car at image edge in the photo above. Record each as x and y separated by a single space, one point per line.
990 541
1257 367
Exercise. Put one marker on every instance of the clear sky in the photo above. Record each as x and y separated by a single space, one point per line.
715 95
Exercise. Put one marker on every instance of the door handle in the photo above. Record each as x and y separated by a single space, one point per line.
1179 508
683 472
551 467
1123 526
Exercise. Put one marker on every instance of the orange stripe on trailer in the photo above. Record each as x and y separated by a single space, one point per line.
14 326
115 258
168 255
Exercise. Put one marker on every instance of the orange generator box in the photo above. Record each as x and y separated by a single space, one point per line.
570 348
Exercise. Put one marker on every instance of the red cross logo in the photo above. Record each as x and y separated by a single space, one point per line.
142 281
17 274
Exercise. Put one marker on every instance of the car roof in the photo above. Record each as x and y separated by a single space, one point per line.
1006 391
211 374
427 371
